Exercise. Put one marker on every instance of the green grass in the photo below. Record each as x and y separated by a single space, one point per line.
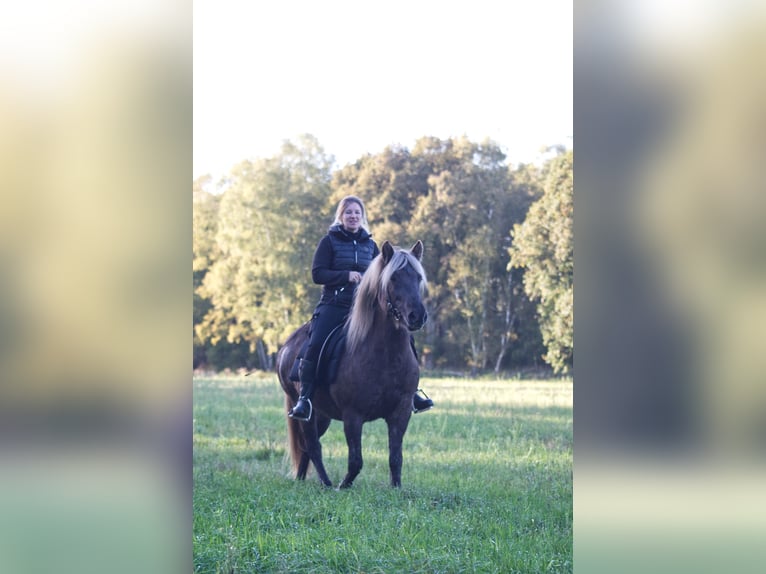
486 484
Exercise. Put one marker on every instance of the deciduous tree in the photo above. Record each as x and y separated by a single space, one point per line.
543 245
270 218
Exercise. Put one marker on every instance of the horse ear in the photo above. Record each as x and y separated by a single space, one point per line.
417 250
387 251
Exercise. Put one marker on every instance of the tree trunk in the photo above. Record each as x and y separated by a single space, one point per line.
510 317
264 358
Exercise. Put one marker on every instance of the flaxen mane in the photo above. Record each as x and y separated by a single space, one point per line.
372 290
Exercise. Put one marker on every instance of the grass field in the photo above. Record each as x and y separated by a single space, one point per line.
486 484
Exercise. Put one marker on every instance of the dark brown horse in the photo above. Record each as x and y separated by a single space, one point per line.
378 374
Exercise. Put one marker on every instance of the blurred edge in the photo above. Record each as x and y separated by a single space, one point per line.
95 401
670 297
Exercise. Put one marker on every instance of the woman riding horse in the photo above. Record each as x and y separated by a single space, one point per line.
340 259
375 378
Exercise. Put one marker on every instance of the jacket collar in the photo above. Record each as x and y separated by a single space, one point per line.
338 231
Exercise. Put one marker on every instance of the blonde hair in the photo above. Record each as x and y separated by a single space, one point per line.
342 207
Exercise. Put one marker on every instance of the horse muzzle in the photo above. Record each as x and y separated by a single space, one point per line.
415 321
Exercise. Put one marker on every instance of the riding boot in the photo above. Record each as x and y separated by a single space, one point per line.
303 408
295 372
420 404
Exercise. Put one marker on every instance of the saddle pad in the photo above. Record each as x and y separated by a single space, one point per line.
330 355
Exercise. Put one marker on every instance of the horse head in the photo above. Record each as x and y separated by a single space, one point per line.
403 285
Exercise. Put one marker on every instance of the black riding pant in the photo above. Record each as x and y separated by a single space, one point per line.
326 317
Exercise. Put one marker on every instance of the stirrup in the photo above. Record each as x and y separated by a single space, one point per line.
424 409
311 412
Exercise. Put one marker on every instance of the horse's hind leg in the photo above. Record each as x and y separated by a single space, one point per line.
303 467
323 424
352 427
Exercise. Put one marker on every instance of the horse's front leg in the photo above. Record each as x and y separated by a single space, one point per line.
397 426
352 427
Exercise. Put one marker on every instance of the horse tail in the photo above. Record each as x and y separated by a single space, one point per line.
295 440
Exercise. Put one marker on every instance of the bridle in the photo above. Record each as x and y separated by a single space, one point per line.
391 308
393 311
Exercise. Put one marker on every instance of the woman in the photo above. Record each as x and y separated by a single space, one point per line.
339 261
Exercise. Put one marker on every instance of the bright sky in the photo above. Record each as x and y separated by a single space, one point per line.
361 75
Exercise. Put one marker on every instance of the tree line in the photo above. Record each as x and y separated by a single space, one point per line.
498 250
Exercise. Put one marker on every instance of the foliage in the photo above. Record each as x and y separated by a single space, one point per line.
205 253
472 205
544 245
487 484
270 219
460 199
256 240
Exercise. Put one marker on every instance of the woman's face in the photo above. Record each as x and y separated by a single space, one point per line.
351 218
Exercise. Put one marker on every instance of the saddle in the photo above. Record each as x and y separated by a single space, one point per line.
329 356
